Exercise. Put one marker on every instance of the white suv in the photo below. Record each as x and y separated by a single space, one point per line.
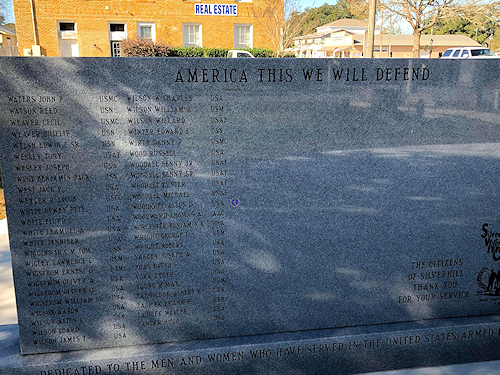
237 53
468 53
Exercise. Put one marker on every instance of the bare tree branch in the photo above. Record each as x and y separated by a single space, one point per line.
281 21
421 15
2 12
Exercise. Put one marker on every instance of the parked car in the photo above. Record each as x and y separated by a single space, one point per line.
237 53
468 53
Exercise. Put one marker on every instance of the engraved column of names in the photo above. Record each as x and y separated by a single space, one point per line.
164 213
116 254
57 264
219 195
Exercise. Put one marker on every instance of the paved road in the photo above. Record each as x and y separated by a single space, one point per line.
8 314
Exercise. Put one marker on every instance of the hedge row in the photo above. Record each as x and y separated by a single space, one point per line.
148 48
143 48
214 52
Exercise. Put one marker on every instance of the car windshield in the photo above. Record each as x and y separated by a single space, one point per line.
447 53
482 52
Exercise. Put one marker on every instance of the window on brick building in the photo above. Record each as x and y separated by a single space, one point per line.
116 27
191 35
68 42
146 30
242 36
66 26
117 32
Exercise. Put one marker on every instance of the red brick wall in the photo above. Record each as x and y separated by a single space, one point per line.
92 19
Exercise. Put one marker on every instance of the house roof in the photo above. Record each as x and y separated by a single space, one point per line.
346 22
6 30
322 34
315 35
438 40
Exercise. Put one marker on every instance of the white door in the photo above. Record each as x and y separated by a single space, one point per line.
68 48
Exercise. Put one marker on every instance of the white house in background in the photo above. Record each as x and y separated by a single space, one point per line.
8 42
335 39
350 25
347 37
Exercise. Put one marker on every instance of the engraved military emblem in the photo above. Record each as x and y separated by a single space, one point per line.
488 280
491 241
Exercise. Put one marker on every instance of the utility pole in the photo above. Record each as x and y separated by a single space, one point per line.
390 36
33 19
371 29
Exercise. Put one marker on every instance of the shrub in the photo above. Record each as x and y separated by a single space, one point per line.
260 52
198 52
148 48
187 52
216 52
143 48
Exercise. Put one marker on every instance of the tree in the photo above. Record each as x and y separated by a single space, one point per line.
2 12
480 19
420 14
315 17
461 26
477 12
358 8
280 21
477 20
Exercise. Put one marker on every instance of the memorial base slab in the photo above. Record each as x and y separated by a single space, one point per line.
338 351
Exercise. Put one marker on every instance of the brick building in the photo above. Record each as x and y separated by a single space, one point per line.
95 27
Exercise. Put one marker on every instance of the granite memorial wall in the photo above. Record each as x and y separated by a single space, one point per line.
156 201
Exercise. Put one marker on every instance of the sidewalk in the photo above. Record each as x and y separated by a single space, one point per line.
8 314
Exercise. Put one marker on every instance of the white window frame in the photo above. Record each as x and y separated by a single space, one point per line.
116 36
112 49
146 24
186 36
73 34
236 28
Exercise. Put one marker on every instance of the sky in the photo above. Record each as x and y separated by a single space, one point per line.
9 11
312 3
